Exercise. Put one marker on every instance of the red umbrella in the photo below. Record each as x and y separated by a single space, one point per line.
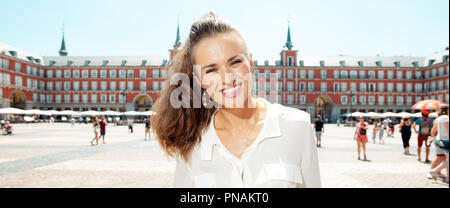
427 104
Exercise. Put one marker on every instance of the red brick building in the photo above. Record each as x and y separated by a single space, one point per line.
318 85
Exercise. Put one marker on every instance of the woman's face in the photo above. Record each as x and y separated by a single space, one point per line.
361 120
225 69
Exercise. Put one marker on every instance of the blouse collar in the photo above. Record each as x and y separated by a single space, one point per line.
270 129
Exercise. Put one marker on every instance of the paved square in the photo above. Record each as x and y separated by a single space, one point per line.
59 155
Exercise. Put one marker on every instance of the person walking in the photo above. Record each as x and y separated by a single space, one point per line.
425 124
130 125
391 128
96 126
319 129
405 130
440 132
72 121
361 136
147 128
375 131
338 122
380 128
103 124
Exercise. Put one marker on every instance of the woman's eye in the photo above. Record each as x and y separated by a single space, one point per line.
236 62
210 70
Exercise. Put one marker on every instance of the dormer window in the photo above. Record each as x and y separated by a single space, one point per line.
30 58
378 63
13 53
266 63
361 63
302 63
105 62
444 58
144 62
342 63
124 62
415 64
397 64
51 63
322 63
430 62
37 61
164 63
69 62
87 62
255 63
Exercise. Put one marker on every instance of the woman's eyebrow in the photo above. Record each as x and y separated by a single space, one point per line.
210 65
230 59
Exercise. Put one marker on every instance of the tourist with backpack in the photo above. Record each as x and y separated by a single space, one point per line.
425 124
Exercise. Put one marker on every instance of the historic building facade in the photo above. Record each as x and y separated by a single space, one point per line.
318 85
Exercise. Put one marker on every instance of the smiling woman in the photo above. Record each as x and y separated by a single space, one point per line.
232 139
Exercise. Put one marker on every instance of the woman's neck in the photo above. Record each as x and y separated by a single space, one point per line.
239 116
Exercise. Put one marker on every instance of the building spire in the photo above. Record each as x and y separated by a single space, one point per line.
63 51
288 44
177 40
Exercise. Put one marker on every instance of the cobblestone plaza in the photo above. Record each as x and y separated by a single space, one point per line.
59 155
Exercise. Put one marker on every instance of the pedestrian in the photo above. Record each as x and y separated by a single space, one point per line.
381 130
80 120
361 136
425 124
147 128
338 122
232 136
2 125
96 126
319 129
440 132
72 121
391 127
375 131
103 124
405 130
130 125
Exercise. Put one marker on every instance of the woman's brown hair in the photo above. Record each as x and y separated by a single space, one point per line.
442 110
179 129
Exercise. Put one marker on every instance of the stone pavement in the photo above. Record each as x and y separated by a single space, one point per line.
58 155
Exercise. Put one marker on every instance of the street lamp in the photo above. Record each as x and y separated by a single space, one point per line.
351 93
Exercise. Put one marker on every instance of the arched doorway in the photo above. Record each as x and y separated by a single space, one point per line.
17 100
143 103
323 106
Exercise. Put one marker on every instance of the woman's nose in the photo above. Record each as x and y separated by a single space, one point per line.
228 76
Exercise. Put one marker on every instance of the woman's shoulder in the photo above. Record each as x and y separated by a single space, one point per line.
289 114
442 118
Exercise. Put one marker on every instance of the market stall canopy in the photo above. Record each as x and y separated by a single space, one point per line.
110 113
372 115
90 113
355 114
403 114
12 111
132 113
37 112
388 114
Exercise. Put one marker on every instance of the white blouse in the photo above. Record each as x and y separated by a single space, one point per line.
283 155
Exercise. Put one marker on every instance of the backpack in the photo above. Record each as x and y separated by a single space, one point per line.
425 127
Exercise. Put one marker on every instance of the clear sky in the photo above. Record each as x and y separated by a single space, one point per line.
148 28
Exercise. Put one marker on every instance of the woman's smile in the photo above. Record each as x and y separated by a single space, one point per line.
231 91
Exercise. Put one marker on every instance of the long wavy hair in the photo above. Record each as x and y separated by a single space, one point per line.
178 130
